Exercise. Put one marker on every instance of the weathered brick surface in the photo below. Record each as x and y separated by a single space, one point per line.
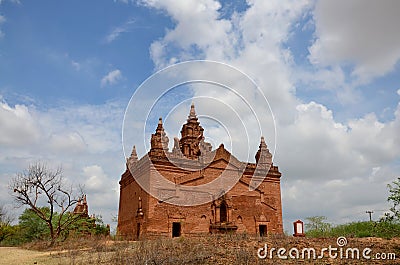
239 210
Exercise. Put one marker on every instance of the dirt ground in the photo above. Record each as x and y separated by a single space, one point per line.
204 250
14 255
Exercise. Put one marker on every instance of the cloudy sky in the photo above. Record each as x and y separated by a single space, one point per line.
329 70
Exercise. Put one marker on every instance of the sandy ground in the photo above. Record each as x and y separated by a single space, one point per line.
208 250
18 256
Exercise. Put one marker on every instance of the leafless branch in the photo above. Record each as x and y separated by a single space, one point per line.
39 186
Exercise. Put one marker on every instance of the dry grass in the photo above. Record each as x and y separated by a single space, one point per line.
213 249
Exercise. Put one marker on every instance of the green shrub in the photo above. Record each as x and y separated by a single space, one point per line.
382 229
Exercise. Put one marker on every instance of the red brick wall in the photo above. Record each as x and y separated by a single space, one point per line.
246 209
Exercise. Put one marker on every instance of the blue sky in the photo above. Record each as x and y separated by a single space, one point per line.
69 68
63 49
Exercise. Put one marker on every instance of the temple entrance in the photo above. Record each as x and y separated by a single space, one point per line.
263 230
176 229
223 213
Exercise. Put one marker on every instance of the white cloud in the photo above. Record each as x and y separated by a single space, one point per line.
76 137
325 149
87 66
102 190
336 163
111 78
68 131
117 31
17 125
398 92
198 29
12 1
96 180
71 142
2 20
326 79
251 41
362 33
76 65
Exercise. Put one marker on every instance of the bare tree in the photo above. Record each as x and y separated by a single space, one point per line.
5 223
39 186
5 217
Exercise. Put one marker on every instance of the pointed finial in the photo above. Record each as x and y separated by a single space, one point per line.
132 160
160 121
262 142
134 154
192 113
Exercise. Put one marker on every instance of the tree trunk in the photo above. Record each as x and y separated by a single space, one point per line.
53 236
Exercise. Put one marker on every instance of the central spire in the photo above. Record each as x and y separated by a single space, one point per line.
192 135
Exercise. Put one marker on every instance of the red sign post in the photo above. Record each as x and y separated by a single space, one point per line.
298 228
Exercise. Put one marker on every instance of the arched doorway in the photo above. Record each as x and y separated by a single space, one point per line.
223 212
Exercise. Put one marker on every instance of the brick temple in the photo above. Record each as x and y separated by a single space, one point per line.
240 210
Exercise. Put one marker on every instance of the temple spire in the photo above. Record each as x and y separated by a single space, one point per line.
159 141
133 159
192 113
81 207
191 136
263 145
263 156
134 156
